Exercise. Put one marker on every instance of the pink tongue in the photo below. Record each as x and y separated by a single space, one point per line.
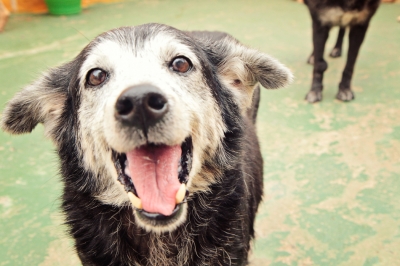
154 171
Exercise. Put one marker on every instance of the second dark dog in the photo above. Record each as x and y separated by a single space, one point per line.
355 14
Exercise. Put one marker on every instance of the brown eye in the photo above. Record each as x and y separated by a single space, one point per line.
237 82
181 65
96 77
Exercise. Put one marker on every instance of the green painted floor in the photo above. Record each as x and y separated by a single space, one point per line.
332 170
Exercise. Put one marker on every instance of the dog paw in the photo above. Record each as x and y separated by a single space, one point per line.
345 95
310 60
336 52
314 96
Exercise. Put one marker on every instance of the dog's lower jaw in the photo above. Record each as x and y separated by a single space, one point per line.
162 224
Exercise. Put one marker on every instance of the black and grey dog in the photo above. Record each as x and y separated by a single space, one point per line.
355 14
155 130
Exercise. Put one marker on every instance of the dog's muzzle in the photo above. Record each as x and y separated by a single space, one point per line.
153 175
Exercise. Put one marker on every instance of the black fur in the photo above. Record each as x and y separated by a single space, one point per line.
321 29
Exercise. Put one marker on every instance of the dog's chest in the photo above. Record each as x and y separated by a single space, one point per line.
336 16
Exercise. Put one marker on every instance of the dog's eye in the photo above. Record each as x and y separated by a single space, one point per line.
181 64
96 77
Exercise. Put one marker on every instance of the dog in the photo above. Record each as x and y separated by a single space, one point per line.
155 131
355 14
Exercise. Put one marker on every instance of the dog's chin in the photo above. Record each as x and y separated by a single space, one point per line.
158 223
148 173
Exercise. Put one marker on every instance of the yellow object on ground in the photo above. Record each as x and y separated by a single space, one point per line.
4 14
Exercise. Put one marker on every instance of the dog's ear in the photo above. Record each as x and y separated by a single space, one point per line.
41 102
241 68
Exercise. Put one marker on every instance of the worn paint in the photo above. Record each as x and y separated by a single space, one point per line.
332 188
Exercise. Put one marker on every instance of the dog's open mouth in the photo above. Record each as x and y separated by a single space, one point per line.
155 177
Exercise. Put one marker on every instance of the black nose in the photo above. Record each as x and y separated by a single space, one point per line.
141 106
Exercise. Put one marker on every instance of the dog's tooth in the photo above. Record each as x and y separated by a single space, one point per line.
136 202
127 172
180 195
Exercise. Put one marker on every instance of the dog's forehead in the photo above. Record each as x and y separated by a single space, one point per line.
142 45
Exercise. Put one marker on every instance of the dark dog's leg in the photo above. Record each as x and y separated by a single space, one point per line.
356 37
320 35
337 50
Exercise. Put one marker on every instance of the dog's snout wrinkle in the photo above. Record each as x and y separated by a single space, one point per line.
141 106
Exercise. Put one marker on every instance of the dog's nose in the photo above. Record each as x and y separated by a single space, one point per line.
141 106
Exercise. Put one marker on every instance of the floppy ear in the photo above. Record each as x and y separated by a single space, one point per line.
241 68
41 102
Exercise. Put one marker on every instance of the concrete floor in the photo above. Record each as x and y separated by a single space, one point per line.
332 169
